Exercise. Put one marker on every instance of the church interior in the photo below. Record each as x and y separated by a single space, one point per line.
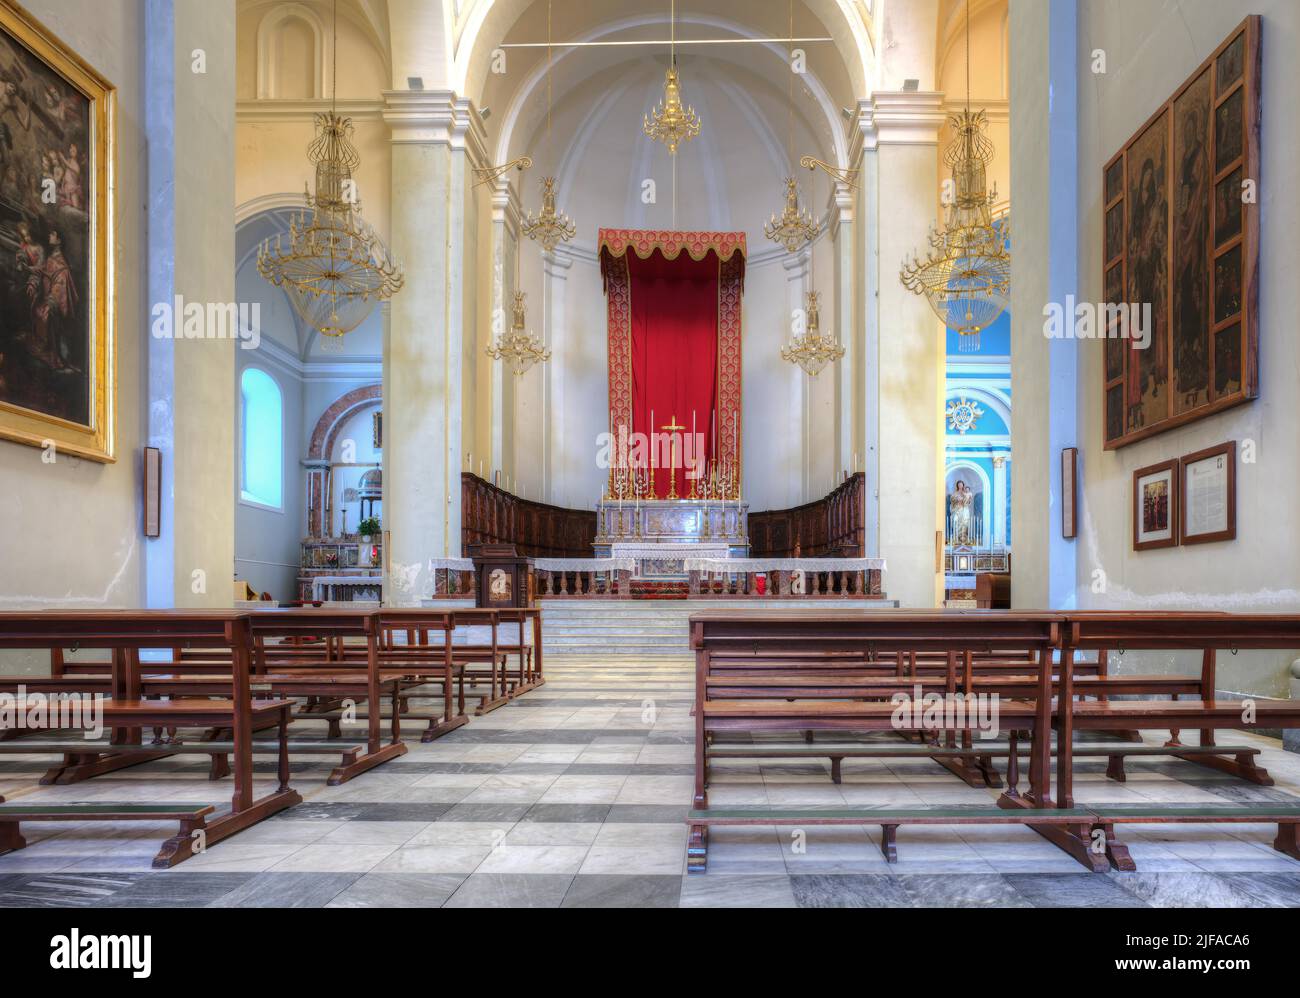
595 453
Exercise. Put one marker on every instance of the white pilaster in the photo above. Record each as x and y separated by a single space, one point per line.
899 131
436 140
557 451
845 373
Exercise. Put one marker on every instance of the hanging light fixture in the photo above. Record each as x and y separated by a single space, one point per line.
812 349
335 268
671 122
520 349
966 272
795 227
550 226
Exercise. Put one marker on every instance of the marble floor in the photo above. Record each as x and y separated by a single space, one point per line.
574 796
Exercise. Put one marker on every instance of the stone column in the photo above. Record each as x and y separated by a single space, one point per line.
999 510
1044 268
906 427
505 249
801 395
558 451
842 315
436 139
190 118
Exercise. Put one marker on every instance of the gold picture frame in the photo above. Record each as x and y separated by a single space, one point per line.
48 94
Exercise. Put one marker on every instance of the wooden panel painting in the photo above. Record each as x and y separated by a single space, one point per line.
1179 232
56 360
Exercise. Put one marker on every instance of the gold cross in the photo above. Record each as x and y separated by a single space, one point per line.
672 429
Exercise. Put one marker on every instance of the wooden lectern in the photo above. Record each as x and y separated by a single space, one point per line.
500 576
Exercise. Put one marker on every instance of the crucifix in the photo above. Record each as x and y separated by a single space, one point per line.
672 429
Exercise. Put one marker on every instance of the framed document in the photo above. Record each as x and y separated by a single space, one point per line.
152 492
1069 492
1155 506
1208 499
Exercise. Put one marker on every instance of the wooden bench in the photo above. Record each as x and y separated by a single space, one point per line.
1114 752
1106 817
126 633
192 818
888 818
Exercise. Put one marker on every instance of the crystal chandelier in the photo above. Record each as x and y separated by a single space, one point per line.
670 122
966 273
549 226
795 227
520 349
335 268
812 349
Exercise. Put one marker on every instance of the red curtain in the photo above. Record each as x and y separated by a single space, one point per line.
674 320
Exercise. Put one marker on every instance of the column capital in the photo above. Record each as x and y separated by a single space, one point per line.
506 206
839 208
899 117
556 263
436 117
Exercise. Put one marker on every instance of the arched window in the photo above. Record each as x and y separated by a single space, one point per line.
262 439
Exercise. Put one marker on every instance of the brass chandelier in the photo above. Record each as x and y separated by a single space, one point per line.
549 226
335 268
518 348
671 122
812 349
795 227
966 273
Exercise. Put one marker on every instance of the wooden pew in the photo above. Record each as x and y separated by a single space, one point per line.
127 632
1168 631
875 634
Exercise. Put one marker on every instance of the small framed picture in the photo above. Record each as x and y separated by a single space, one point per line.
1155 506
1208 495
1069 492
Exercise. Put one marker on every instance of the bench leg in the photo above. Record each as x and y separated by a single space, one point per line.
1116 851
835 768
889 842
697 849
1243 766
180 846
1288 839
10 839
220 767
1115 769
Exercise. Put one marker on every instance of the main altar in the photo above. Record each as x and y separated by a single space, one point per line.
673 303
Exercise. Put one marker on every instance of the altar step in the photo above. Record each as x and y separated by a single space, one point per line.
598 627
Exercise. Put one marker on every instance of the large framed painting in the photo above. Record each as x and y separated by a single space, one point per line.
57 362
1180 235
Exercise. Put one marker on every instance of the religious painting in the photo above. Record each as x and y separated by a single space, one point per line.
1155 506
1208 494
1069 492
1227 208
1227 359
1188 249
1229 129
1114 344
56 249
1147 202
